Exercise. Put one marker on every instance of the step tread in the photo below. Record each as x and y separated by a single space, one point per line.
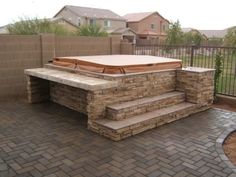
115 125
141 101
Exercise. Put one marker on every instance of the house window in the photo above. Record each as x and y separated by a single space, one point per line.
153 26
79 21
164 28
107 23
92 21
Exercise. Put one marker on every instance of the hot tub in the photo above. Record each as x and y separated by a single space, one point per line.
117 64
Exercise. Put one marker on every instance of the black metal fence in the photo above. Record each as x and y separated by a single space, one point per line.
201 56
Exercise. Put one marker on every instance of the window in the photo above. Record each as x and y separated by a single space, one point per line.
79 21
153 26
155 15
107 23
92 21
164 28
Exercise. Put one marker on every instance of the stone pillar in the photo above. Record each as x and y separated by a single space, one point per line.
126 48
115 45
37 89
197 83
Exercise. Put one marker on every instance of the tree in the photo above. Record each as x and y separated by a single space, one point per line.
174 34
27 26
218 71
230 37
193 38
215 41
91 30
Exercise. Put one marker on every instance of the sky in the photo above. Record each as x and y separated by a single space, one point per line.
198 14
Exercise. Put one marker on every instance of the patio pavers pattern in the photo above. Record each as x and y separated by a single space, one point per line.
51 140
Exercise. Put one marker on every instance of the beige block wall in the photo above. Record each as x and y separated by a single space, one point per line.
80 46
16 54
19 52
115 45
127 48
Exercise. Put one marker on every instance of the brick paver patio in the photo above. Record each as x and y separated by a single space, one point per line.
50 140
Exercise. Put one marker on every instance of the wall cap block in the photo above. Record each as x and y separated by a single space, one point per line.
74 80
196 69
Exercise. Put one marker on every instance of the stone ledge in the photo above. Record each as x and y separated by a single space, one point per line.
103 75
116 125
128 109
145 100
196 69
74 80
117 130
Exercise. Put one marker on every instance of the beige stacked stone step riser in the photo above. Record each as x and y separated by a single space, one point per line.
117 134
140 106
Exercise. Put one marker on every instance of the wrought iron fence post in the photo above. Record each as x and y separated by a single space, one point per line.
192 55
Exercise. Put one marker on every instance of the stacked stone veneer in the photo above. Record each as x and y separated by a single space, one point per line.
195 83
37 89
71 97
130 87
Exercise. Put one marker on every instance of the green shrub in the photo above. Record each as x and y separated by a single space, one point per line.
174 34
27 26
91 30
218 71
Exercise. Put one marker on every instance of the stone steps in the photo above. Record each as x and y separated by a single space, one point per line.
132 108
120 129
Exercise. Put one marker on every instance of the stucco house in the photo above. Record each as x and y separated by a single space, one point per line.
106 19
3 29
147 25
208 33
64 23
125 33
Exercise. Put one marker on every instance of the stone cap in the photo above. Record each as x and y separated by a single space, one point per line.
196 69
71 79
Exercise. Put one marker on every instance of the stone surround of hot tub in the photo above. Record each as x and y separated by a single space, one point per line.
92 94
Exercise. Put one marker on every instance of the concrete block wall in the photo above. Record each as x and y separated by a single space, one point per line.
127 48
74 46
19 52
16 54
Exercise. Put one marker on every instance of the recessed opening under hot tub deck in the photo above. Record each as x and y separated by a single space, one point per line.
123 95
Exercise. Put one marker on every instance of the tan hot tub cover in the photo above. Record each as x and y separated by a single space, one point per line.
118 64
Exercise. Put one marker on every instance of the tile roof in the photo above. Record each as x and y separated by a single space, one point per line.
208 33
214 33
123 30
136 17
93 12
